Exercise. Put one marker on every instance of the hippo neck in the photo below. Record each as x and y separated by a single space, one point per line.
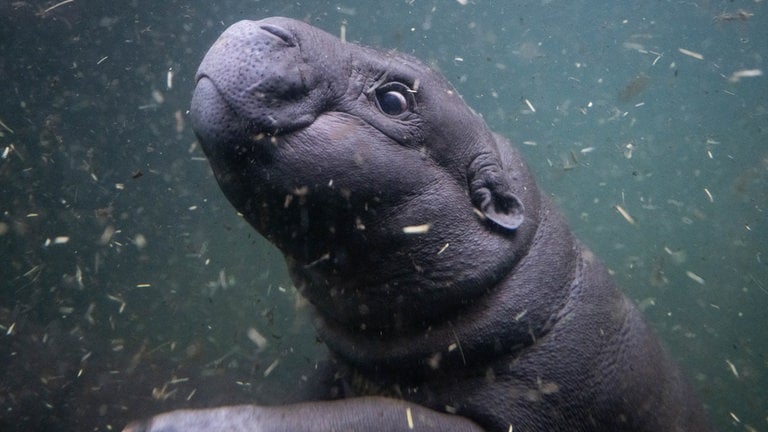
521 309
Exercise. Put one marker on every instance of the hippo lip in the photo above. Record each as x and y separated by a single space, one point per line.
266 124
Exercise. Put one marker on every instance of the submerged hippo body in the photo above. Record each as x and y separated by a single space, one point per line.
449 290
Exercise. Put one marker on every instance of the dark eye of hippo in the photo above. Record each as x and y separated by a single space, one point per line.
394 98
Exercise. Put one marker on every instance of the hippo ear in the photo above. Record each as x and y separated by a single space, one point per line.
501 208
491 195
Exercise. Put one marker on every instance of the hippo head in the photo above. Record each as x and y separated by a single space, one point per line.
392 202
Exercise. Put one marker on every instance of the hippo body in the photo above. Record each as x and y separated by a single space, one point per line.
449 290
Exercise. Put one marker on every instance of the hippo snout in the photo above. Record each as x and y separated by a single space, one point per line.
256 77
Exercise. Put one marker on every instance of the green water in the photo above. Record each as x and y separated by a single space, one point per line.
130 286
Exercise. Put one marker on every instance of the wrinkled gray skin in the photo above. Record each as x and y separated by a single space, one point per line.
489 317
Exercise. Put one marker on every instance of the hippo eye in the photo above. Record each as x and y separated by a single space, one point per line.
394 98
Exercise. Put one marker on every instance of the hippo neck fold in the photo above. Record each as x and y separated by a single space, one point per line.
506 319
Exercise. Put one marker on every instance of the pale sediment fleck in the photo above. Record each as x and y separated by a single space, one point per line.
745 73
409 417
271 367
416 229
696 278
625 214
690 53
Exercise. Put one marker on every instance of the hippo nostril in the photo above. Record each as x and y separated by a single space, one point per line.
280 32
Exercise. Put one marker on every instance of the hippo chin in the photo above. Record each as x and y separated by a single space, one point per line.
450 291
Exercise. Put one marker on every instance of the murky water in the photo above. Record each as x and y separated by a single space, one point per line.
130 286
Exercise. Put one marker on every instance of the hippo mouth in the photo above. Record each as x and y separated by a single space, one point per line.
257 123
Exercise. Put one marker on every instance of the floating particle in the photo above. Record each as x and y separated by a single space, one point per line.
140 241
350 11
549 388
530 105
628 149
634 46
257 338
739 15
646 303
79 276
696 278
745 73
409 417
271 367
118 300
158 97
625 214
416 229
678 257
434 361
106 236
415 88
4 126
658 57
169 79
179 121
89 314
223 280
690 53
61 3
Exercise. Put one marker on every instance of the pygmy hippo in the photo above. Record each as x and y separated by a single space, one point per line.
449 290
